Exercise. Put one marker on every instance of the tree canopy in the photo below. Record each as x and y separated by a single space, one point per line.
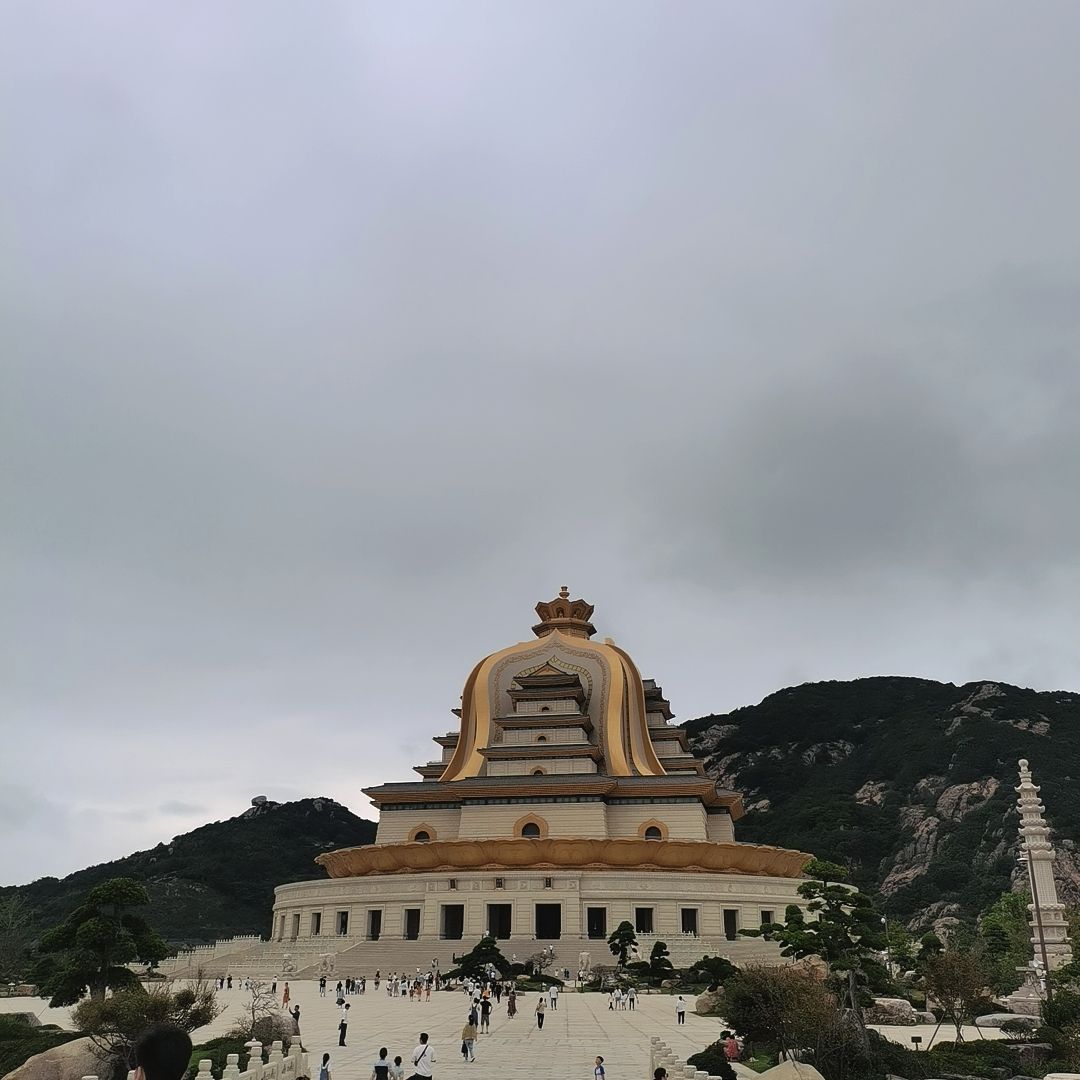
90 948
622 940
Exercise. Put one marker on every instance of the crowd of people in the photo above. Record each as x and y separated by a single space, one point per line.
485 996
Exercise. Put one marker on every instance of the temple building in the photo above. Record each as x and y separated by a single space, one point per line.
563 804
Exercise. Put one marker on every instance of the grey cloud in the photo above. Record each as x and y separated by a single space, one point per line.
333 340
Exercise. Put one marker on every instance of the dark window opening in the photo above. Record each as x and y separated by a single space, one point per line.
422 837
689 921
412 923
374 925
643 920
531 830
653 833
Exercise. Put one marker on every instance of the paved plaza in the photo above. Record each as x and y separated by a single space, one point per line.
573 1035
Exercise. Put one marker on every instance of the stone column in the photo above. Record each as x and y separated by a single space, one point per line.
1049 931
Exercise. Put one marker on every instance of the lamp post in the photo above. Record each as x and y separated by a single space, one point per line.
888 946
1025 857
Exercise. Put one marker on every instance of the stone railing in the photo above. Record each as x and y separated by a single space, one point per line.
661 1055
278 1066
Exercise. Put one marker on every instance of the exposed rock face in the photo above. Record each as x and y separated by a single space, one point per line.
872 793
908 782
71 1061
956 802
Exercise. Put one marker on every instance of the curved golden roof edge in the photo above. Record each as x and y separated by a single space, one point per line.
636 759
564 853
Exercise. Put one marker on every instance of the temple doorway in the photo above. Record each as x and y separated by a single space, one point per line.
499 921
548 922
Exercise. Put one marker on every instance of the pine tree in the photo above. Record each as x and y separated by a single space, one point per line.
90 948
622 940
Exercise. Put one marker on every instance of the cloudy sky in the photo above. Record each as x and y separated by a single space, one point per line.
335 336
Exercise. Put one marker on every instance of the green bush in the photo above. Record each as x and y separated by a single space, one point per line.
713 1060
218 1050
19 1041
981 1057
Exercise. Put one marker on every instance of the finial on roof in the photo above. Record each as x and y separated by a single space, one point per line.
570 617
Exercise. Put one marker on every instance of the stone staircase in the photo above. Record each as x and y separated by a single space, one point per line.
252 958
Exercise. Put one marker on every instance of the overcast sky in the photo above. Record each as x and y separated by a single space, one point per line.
337 335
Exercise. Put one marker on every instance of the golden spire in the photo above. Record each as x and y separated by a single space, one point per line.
570 617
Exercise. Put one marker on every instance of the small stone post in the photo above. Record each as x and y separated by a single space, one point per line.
232 1068
204 1069
254 1061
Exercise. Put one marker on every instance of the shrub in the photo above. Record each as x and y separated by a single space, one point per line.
713 1060
218 1051
712 970
19 1041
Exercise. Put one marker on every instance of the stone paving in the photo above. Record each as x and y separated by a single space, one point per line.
573 1035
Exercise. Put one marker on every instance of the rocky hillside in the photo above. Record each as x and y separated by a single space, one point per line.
908 781
215 881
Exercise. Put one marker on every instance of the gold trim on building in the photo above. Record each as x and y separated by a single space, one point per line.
570 853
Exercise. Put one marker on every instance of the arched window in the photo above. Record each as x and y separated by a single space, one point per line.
545 708
541 738
653 833
422 837
530 830
539 772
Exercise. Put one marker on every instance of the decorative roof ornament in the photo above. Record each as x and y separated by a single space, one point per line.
570 617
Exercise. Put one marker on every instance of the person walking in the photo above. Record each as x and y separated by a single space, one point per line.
468 1040
553 996
485 1015
423 1058
343 1024
324 1068
540 1013
322 986
380 1067
511 1004
680 1010
273 988
598 1068
631 995
285 997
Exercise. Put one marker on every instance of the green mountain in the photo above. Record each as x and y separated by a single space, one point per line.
907 781
213 882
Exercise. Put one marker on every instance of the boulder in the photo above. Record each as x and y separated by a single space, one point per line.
925 1016
71 1061
709 1003
891 1011
28 1018
791 1070
995 1020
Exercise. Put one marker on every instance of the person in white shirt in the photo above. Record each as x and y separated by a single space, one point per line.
553 996
423 1058
680 1010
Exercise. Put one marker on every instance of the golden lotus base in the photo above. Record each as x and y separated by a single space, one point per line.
623 853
